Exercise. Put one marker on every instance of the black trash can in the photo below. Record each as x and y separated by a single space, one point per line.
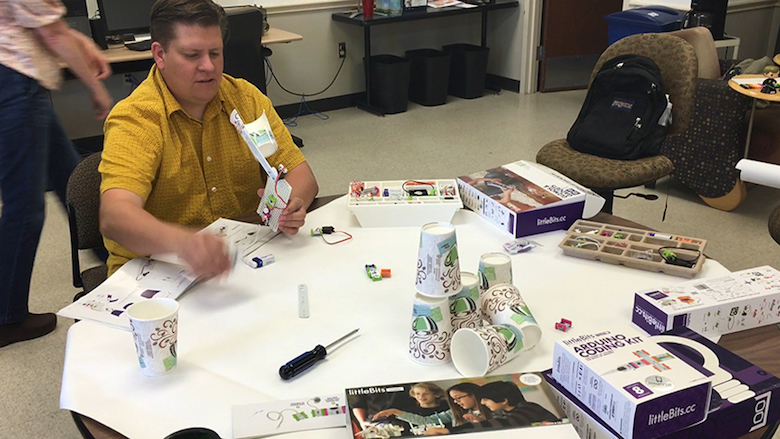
429 76
468 68
389 83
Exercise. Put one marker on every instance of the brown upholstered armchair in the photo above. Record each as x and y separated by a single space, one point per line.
705 156
679 68
706 139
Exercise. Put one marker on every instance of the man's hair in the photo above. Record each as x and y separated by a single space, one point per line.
166 14
435 390
498 391
771 68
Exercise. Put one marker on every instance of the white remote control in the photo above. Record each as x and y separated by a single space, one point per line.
303 301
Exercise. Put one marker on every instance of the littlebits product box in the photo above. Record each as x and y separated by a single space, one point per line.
635 386
526 198
719 305
744 397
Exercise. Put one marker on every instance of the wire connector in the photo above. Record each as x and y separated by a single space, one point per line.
324 230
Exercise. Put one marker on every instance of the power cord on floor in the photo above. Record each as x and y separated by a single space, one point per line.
650 197
292 121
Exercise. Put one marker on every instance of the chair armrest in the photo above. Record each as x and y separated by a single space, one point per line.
706 153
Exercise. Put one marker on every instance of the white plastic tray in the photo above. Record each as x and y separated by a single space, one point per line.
401 203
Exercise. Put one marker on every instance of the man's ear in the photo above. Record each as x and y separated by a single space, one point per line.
158 54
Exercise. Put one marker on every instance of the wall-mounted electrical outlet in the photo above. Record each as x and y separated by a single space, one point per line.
342 50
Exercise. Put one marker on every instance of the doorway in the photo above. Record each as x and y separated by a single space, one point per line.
573 36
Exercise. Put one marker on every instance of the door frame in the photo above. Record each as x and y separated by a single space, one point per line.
532 33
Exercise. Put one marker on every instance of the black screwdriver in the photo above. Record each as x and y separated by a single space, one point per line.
308 359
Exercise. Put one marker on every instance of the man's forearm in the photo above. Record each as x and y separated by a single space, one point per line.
303 183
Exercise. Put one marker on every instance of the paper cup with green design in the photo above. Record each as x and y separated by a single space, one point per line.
438 267
494 269
476 352
154 324
465 306
431 331
503 304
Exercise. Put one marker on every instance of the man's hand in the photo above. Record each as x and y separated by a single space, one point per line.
436 431
292 217
205 254
101 101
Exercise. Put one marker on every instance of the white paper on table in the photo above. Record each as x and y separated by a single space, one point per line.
275 417
139 279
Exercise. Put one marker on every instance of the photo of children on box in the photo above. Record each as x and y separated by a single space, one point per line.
510 189
452 406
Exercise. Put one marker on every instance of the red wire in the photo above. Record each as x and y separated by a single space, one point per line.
339 241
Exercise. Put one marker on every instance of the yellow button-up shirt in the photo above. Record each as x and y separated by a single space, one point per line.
187 172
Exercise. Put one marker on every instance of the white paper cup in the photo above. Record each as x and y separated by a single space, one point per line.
503 304
438 267
154 324
476 352
465 306
431 331
494 269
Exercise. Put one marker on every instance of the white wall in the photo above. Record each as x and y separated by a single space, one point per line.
309 65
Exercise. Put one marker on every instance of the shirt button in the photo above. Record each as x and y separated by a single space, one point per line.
208 159
213 189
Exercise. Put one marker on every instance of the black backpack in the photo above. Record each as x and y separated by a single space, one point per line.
619 119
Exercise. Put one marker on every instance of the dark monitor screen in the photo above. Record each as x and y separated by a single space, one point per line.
126 16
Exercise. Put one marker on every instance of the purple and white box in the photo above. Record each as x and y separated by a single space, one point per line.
744 399
525 198
718 305
635 386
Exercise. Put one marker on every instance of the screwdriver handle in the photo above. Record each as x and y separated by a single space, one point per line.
302 362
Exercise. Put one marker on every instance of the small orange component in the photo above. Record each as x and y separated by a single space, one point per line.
385 272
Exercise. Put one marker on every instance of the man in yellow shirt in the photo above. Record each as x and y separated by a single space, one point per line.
173 163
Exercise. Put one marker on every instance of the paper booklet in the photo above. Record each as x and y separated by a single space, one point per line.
276 417
535 409
145 278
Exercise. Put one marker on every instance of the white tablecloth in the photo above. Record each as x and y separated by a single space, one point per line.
233 338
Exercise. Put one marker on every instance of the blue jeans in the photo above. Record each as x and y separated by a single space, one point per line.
35 153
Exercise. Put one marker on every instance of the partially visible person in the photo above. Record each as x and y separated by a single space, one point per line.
35 152
367 407
509 408
464 406
173 163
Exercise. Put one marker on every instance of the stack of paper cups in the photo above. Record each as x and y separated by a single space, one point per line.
438 267
465 306
431 331
503 305
494 269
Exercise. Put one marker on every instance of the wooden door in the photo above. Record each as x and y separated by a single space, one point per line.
574 34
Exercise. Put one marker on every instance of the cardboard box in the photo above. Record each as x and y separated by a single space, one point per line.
719 305
740 403
635 386
525 198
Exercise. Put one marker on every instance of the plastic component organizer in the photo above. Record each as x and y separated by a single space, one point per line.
635 248
403 203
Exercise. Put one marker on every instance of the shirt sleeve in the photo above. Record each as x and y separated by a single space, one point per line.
36 13
445 417
131 150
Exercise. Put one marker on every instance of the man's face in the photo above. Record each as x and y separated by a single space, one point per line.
192 65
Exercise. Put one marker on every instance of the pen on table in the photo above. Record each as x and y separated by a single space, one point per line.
308 359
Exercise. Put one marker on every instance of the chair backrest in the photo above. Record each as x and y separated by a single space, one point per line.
82 198
679 67
700 38
243 49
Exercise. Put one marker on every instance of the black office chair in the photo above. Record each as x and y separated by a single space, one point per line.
82 198
244 52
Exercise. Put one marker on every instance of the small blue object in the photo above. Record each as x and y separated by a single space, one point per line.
262 261
386 192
